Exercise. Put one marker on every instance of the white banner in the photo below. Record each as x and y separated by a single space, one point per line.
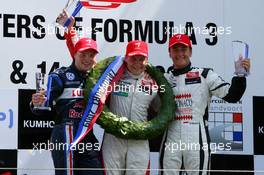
29 44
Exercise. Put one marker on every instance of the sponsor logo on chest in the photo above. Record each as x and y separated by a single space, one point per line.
77 93
184 104
192 78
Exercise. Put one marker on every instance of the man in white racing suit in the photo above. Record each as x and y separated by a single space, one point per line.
130 98
187 141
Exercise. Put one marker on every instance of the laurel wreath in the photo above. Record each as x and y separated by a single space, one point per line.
124 128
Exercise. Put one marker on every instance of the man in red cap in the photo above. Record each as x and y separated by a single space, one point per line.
65 89
131 98
187 142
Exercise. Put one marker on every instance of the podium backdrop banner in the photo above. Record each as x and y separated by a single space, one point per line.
30 43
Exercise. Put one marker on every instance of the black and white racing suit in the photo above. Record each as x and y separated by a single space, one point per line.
65 88
188 133
131 98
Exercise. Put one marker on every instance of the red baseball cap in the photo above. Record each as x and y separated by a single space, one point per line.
85 44
180 39
137 47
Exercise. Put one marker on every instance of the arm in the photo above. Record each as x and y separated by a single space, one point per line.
71 39
70 33
235 90
220 88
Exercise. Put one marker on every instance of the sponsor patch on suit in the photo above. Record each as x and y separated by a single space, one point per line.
192 80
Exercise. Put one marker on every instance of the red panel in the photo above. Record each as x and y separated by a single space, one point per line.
237 117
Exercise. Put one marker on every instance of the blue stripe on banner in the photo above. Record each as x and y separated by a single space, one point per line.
78 8
92 94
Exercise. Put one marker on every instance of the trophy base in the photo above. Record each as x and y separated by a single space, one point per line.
41 108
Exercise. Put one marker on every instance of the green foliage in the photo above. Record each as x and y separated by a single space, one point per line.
124 128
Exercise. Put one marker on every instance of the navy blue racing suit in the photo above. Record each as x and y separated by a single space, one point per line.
65 93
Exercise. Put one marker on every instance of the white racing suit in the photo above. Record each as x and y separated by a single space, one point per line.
186 142
131 98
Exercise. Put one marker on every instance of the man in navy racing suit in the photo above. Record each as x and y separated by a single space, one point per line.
65 93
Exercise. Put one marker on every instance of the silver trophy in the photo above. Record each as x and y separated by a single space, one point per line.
240 52
40 85
72 8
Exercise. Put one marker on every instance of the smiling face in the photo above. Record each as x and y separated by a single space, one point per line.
84 60
180 55
136 64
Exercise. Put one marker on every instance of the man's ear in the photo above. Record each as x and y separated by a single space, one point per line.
190 52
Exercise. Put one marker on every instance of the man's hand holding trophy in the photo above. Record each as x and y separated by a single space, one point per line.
40 98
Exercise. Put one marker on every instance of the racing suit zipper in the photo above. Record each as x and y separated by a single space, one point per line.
131 104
